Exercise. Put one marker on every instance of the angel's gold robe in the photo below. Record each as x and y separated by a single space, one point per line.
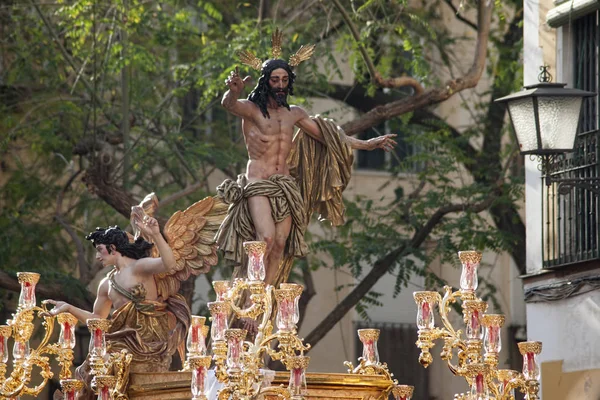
150 330
321 173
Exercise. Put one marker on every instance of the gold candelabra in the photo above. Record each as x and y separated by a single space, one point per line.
369 364
238 362
482 334
24 358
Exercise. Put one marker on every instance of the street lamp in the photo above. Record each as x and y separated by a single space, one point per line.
545 117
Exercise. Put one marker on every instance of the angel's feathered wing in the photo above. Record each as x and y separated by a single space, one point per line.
190 234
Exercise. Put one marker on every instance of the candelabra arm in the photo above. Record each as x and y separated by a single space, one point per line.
10 388
444 309
275 390
225 393
266 328
44 364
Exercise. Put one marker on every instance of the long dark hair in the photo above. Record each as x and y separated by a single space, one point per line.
117 237
260 94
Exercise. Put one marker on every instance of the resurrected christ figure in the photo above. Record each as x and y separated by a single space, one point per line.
270 201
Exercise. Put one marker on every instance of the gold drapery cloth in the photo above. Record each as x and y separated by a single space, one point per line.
237 227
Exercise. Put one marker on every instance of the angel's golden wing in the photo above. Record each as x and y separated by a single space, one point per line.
190 234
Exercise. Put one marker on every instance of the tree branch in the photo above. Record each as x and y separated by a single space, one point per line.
381 267
433 95
375 75
460 17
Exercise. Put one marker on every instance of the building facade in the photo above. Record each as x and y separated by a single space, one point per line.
561 287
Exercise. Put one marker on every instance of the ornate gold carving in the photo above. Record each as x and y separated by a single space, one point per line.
5 331
276 40
304 53
239 334
294 287
468 351
427 296
475 369
198 320
248 58
98 323
71 385
219 307
28 277
200 361
104 381
255 246
368 334
221 286
530 347
403 390
66 317
295 362
21 328
493 320
473 257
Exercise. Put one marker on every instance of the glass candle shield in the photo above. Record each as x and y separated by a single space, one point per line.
70 387
198 381
218 312
66 338
256 265
493 327
369 338
297 292
285 310
470 263
235 346
530 351
426 302
97 328
28 281
199 366
297 366
20 350
479 389
402 392
196 342
5 332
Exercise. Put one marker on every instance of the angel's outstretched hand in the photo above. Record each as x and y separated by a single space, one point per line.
149 226
59 307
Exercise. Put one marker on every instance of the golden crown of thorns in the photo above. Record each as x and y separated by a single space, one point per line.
303 53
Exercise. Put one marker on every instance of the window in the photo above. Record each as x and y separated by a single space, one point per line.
571 219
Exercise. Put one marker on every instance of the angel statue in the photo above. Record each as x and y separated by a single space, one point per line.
289 176
149 319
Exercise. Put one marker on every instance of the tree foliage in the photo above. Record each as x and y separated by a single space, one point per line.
103 102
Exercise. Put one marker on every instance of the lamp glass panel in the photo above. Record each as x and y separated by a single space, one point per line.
559 117
523 119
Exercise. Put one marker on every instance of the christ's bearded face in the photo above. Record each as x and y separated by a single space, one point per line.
278 86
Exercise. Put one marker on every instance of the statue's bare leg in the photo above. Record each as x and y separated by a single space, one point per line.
275 235
282 231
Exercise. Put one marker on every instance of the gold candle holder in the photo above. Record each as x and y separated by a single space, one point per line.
493 337
70 387
402 392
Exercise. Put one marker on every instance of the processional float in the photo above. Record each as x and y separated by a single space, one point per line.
239 364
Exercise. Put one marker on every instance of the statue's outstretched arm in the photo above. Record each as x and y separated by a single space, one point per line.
101 305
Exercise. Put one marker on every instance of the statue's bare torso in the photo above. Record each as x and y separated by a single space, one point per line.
269 141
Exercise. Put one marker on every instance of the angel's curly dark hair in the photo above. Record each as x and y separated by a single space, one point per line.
260 94
118 237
